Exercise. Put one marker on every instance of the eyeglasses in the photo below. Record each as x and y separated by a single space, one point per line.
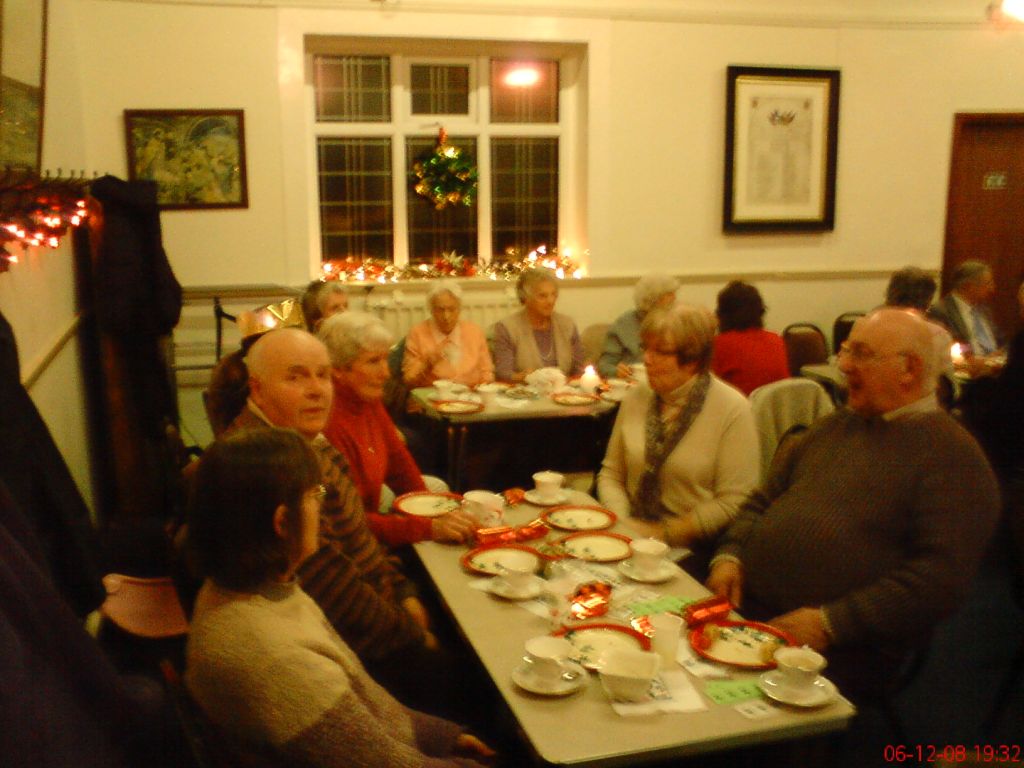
865 355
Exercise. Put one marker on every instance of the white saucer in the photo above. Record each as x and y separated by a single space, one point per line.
821 692
524 677
667 570
500 588
537 500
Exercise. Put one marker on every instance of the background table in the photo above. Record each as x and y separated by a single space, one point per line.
583 729
538 434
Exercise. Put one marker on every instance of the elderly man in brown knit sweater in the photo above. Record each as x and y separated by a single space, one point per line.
869 532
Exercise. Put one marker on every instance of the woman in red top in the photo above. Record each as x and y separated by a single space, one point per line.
361 429
746 355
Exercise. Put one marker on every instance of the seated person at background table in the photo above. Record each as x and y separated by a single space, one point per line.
913 288
445 347
368 601
360 427
965 312
263 664
622 342
536 336
320 300
746 355
869 531
683 453
225 398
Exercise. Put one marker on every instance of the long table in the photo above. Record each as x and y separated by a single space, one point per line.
582 729
457 425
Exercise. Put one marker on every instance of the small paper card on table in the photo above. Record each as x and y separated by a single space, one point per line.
671 691
696 666
729 692
666 604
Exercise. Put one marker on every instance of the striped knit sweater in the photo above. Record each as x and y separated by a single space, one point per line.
276 681
881 523
351 577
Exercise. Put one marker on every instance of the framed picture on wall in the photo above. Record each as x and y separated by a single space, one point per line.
22 83
195 156
781 130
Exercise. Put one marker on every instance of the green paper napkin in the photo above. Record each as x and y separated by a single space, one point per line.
667 604
730 692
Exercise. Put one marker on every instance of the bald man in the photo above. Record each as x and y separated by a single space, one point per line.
367 600
871 529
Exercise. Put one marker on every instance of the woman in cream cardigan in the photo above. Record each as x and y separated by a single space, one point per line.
683 452
536 336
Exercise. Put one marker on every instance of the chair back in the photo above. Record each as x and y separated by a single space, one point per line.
396 393
592 340
805 344
841 328
782 405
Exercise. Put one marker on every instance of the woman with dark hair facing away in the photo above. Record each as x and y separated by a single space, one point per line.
321 300
263 663
746 355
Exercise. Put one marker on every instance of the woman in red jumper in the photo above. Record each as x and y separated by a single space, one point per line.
361 429
745 354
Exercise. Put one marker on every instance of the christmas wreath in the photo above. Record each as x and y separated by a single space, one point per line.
447 176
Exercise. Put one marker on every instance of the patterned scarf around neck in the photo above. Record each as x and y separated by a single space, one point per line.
660 443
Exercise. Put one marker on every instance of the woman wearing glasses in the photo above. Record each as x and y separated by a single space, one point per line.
684 449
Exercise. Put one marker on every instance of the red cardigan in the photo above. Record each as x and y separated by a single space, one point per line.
368 438
750 358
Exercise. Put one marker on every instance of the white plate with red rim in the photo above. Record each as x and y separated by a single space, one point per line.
495 559
596 547
427 503
572 517
592 640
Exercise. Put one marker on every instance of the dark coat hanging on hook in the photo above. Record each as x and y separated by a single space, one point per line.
141 296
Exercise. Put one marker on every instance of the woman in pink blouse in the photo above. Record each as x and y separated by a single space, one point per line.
445 347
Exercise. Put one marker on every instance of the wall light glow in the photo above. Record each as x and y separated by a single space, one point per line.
522 77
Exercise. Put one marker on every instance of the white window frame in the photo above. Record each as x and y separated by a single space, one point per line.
477 124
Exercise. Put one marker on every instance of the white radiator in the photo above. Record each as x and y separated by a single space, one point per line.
401 313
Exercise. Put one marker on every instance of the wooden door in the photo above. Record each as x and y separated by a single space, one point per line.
985 210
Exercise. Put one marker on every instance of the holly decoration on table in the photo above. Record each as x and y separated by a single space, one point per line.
447 176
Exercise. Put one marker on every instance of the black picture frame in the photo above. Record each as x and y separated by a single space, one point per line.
781 147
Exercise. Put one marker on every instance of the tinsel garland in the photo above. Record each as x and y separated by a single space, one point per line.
451 264
447 176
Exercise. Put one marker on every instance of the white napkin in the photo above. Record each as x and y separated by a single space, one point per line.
671 691
696 666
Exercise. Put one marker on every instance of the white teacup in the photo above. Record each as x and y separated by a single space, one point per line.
548 484
627 673
648 555
444 387
547 656
798 667
489 393
485 507
517 577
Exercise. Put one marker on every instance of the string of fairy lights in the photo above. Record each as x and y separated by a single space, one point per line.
36 212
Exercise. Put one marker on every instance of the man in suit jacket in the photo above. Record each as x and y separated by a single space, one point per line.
964 310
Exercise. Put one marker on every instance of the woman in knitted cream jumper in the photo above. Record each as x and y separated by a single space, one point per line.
683 452
263 664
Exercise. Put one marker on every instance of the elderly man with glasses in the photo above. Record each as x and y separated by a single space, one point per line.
869 532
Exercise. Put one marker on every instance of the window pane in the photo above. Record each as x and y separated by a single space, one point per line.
356 212
433 232
524 194
524 91
439 89
352 88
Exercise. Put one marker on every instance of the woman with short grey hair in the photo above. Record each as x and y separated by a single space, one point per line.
684 449
536 336
622 342
360 427
444 346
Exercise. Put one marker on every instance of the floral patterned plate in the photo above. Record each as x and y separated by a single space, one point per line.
492 560
592 640
596 547
579 518
427 503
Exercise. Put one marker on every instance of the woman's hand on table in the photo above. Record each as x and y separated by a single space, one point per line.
805 625
456 527
726 580
623 371
468 744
